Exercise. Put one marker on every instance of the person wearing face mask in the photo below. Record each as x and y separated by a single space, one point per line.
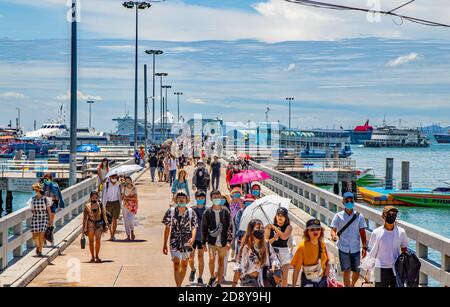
311 257
199 208
385 245
200 178
111 199
217 233
40 219
95 223
130 207
255 256
52 190
239 234
236 201
278 235
256 190
180 226
348 229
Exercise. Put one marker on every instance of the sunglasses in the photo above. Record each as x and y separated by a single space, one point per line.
315 229
391 215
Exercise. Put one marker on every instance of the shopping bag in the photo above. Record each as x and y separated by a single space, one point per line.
83 242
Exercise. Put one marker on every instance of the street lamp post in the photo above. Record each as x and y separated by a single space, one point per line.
73 98
161 75
90 102
165 108
154 53
290 99
178 104
138 5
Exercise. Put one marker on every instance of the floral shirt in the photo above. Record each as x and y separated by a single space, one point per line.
181 228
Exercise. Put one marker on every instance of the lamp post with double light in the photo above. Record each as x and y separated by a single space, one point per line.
137 5
154 53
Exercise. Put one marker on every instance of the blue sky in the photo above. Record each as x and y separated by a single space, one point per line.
231 59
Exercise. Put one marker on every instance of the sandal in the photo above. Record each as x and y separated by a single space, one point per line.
98 260
92 260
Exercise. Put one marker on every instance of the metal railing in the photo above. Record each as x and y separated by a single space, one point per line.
323 205
15 232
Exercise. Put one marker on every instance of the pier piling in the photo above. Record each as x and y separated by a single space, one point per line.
389 173
405 175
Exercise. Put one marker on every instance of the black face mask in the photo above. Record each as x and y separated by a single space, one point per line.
390 219
258 234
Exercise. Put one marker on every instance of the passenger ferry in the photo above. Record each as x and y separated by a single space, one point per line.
442 138
391 136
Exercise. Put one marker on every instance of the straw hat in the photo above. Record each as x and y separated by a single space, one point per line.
37 187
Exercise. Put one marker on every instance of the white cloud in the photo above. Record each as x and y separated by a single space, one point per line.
291 67
117 47
403 60
182 49
80 96
270 21
13 95
196 101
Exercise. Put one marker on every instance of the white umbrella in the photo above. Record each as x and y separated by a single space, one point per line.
124 170
263 209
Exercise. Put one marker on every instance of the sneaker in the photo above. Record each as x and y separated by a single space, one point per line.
192 276
200 281
211 281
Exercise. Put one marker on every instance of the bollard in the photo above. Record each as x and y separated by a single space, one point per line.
405 175
389 173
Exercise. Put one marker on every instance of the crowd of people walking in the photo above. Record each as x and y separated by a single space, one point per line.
263 254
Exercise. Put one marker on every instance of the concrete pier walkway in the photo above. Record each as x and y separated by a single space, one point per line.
129 264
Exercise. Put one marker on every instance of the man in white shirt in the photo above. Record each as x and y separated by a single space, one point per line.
111 199
385 245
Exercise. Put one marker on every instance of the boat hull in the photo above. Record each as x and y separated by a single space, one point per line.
424 199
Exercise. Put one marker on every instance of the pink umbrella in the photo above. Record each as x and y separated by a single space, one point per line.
249 176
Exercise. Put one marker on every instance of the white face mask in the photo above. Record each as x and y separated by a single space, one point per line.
113 180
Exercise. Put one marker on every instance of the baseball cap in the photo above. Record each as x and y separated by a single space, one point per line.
282 211
348 195
313 223
389 208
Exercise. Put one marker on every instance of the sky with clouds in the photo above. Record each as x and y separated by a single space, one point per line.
231 59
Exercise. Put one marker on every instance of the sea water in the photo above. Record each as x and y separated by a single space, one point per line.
428 168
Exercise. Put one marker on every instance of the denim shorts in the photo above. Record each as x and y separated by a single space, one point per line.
349 261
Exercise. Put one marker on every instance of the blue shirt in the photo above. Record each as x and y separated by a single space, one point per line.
176 185
349 241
